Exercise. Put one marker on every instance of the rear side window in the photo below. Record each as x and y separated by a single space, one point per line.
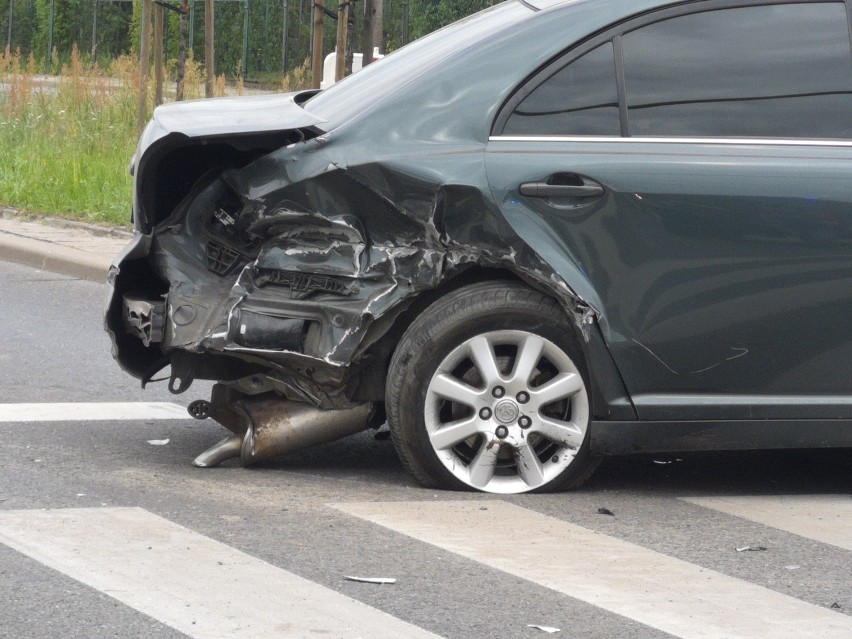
763 71
579 99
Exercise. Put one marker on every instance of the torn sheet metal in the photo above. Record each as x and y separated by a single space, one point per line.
286 275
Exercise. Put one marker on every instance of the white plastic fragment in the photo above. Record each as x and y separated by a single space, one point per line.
158 442
548 629
750 548
792 567
371 580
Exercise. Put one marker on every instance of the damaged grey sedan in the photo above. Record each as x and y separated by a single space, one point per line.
553 231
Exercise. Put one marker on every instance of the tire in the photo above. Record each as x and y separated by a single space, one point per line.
487 390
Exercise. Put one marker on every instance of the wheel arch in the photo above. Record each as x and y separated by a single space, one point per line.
609 397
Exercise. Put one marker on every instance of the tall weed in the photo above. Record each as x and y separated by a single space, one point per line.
65 147
66 142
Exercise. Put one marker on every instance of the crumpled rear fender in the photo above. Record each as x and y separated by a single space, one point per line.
273 276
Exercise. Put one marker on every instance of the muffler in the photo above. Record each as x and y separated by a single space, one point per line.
276 427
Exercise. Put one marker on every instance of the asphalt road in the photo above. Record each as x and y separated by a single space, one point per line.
466 565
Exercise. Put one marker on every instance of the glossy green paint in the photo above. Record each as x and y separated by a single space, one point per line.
718 269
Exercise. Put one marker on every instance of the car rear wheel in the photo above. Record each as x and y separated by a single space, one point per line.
487 390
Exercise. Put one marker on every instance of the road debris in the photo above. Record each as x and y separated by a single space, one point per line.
606 511
792 567
835 606
158 442
548 629
750 548
371 580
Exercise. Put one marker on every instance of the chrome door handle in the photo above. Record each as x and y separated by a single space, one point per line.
546 189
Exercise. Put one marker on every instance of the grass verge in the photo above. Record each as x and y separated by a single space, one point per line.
65 148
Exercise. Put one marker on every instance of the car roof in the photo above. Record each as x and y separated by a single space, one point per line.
456 65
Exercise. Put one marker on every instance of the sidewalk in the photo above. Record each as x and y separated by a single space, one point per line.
84 251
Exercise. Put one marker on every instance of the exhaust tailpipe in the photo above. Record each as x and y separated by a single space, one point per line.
276 427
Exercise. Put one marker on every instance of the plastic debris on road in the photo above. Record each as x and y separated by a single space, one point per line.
548 629
750 548
158 442
606 511
371 580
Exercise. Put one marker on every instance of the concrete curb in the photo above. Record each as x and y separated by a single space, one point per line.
54 258
92 228
60 246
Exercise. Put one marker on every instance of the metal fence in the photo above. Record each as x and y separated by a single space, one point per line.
254 38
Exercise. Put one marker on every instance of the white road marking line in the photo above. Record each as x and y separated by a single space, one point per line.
825 518
192 583
96 411
660 591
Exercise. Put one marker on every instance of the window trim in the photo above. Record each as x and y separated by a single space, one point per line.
826 142
613 33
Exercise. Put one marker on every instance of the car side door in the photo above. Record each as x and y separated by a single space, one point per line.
689 173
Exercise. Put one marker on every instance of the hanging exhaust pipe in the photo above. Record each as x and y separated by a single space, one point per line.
276 427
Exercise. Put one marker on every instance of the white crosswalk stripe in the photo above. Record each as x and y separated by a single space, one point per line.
208 590
660 591
96 411
825 518
192 583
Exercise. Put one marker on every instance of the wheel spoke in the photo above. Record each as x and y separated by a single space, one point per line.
454 432
560 387
566 434
483 356
451 388
529 466
529 352
483 465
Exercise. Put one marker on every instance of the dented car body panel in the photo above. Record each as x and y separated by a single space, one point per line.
284 243
333 235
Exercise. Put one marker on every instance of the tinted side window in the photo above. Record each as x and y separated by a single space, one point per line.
768 71
580 99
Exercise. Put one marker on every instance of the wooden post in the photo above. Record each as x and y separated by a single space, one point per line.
50 37
209 49
94 29
351 29
367 36
158 55
316 56
379 25
342 32
405 19
285 29
144 64
192 26
9 35
182 44
245 38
